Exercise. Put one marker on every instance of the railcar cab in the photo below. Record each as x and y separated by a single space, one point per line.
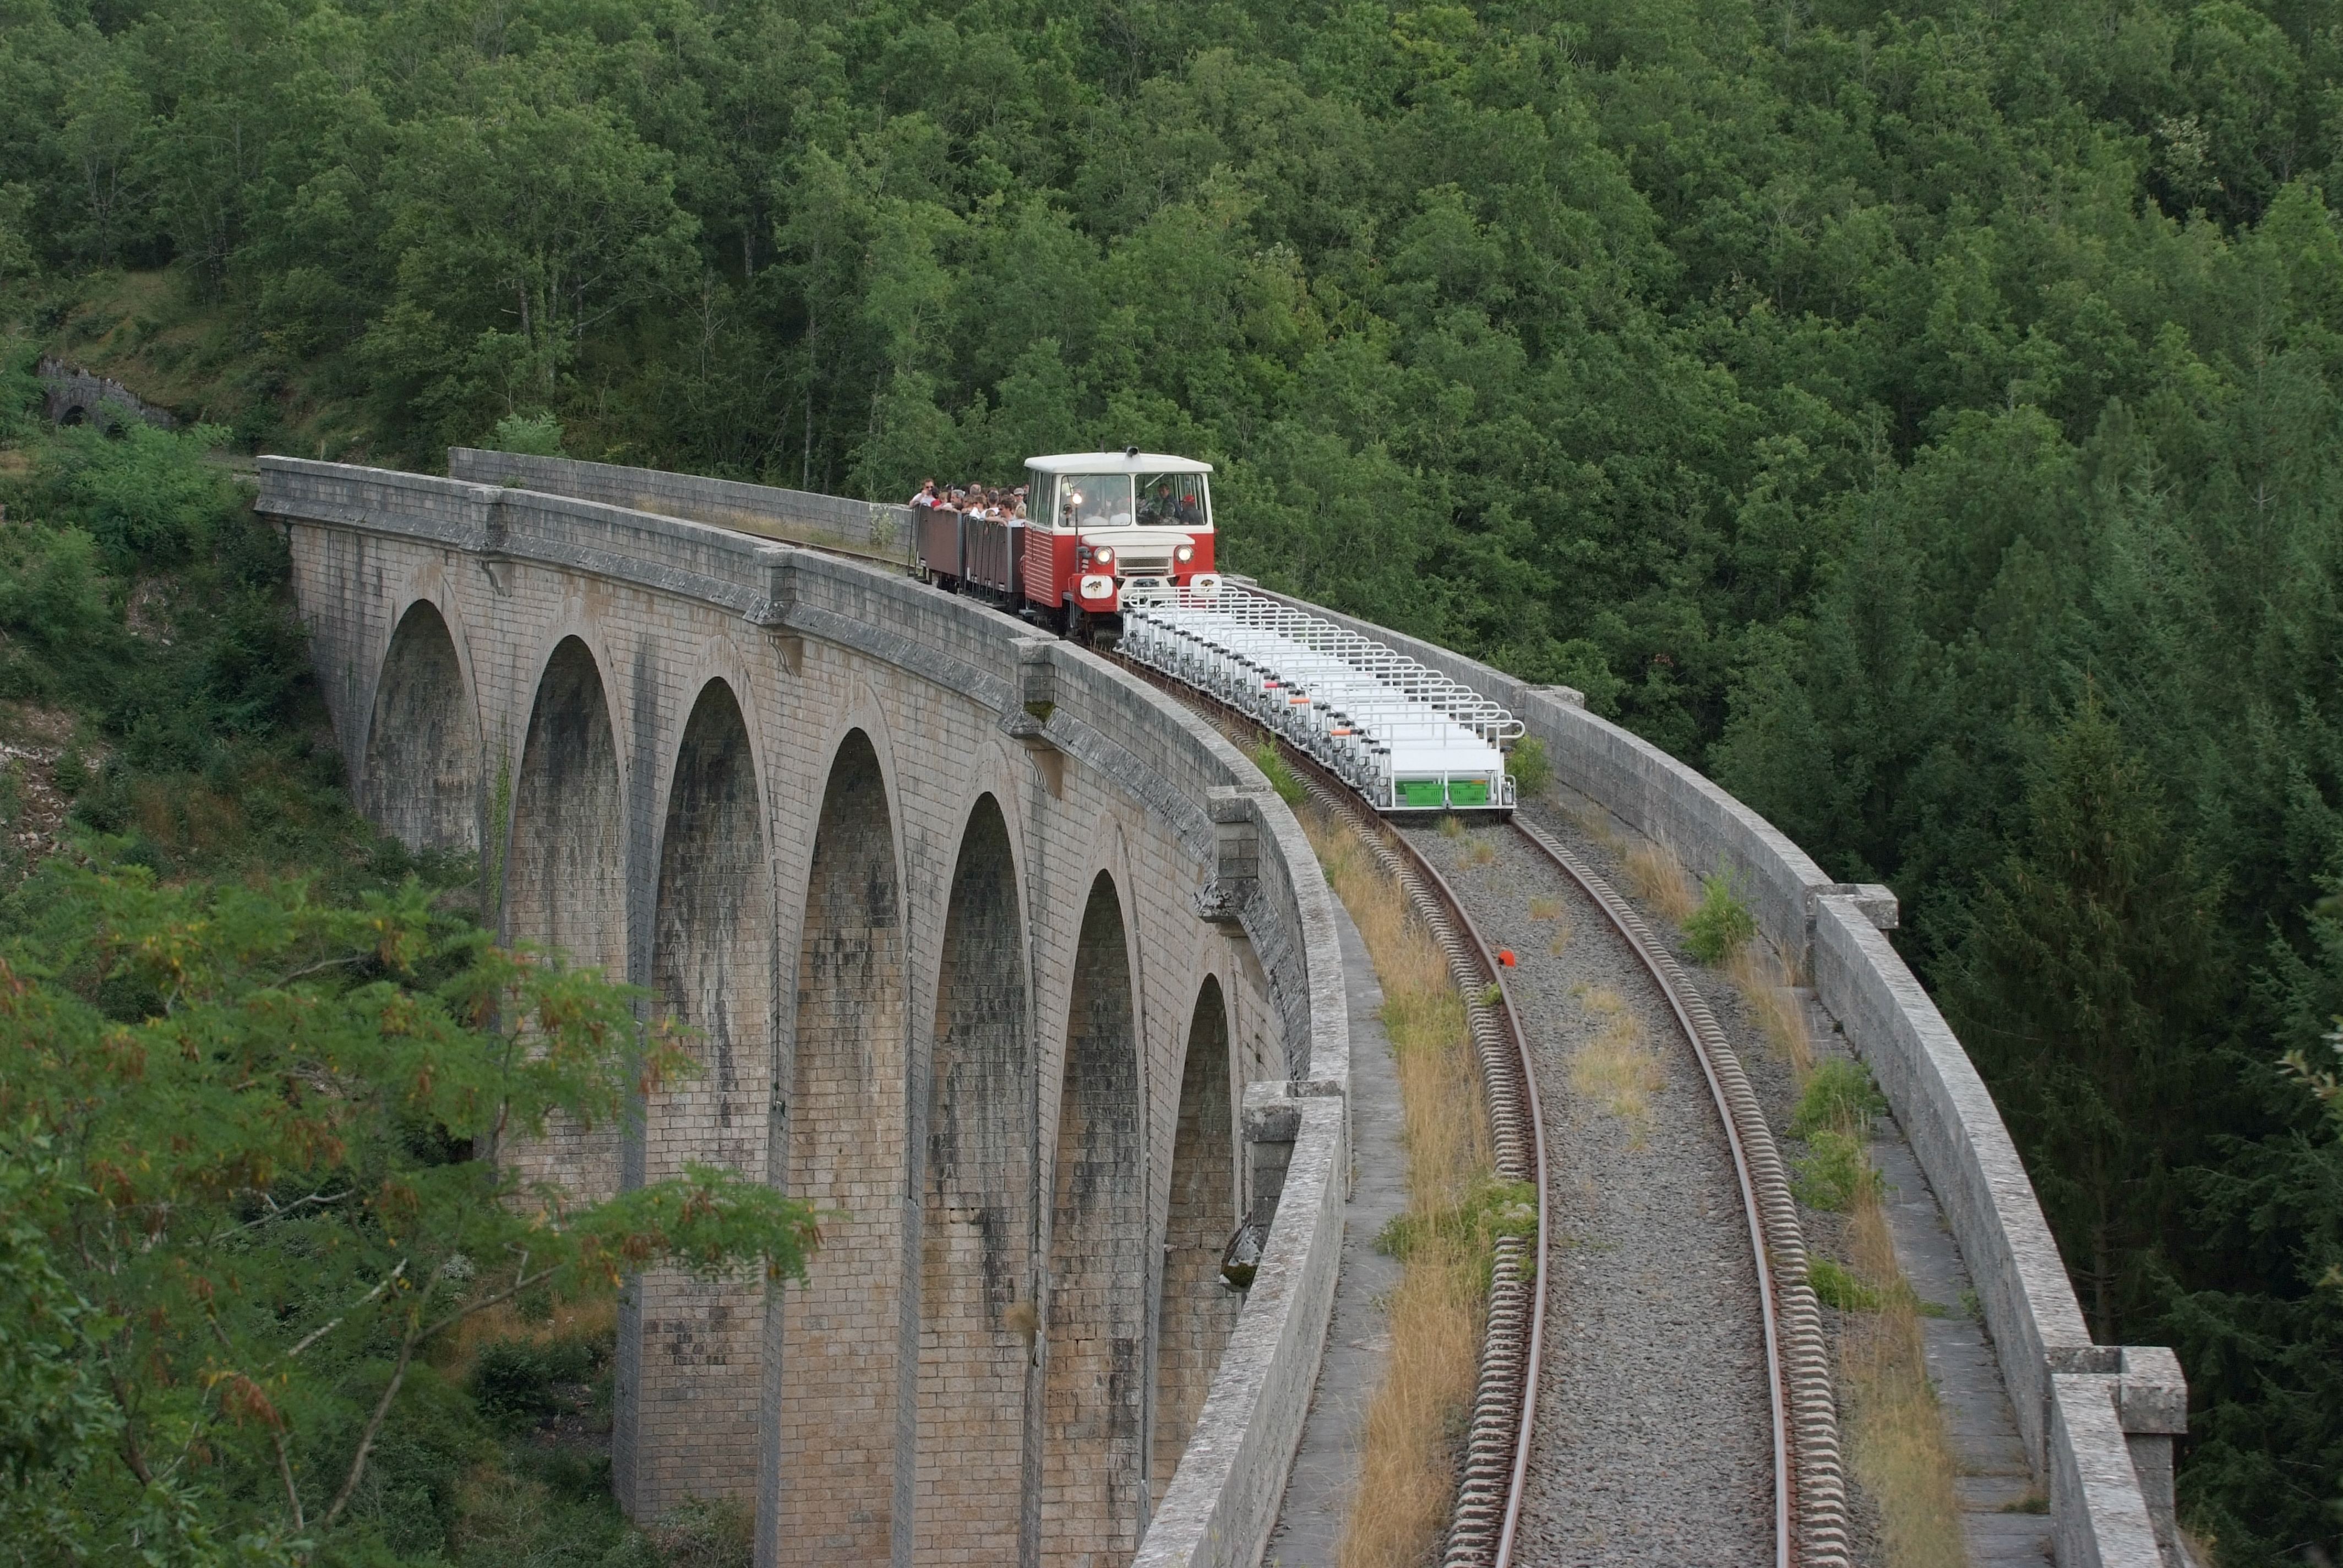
1101 522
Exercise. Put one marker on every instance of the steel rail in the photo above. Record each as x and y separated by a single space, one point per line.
1482 1526
1534 1359
1661 969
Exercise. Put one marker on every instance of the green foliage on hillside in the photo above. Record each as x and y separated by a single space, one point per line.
252 1176
1924 418
255 1076
143 613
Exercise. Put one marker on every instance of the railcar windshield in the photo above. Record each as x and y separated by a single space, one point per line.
1094 501
1173 500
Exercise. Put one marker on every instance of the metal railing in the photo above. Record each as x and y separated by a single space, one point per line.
1402 734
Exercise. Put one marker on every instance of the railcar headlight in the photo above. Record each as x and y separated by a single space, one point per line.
1103 554
1184 553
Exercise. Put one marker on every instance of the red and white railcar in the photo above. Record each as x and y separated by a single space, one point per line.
1096 524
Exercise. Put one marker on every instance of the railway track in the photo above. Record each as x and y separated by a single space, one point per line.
1808 1516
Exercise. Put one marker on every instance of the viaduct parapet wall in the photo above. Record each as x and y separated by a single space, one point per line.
804 517
1001 957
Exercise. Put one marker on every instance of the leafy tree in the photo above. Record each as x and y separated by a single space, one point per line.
2082 987
256 1166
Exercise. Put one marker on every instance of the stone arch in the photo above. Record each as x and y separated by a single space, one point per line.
688 1421
566 872
977 1211
74 415
1196 1313
839 1340
421 782
711 943
1094 1394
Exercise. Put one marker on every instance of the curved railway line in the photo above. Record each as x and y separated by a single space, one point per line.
1508 1440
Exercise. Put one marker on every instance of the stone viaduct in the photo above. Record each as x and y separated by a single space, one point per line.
983 945
1023 974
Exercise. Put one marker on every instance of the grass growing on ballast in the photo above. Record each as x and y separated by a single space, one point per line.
1658 878
1765 981
1899 1448
1616 1070
1272 765
1417 1418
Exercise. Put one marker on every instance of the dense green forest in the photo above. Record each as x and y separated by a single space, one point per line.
1926 418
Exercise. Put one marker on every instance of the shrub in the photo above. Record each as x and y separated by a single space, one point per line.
1529 769
535 435
1837 1287
1281 778
1722 924
150 499
513 1382
696 1534
58 635
1835 1172
1839 1096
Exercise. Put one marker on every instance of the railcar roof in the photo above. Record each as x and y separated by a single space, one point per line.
1117 463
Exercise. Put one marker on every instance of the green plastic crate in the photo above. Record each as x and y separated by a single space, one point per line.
1423 793
1468 792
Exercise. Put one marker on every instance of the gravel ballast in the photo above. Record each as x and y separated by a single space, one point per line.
1654 1438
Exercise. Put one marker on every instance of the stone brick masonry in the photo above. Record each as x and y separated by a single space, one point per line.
923 886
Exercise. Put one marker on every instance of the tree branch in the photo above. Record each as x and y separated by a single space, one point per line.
316 1334
131 1455
277 1211
305 971
374 1423
285 1473
485 1303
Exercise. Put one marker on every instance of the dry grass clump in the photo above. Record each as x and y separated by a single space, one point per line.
595 1318
1596 822
1546 908
1416 1419
1895 1429
1900 1450
1482 853
1616 1070
1765 980
1407 1465
1659 880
